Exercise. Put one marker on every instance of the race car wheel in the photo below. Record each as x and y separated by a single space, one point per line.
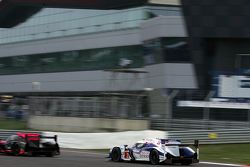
30 154
51 154
154 157
15 149
116 154
28 151
186 163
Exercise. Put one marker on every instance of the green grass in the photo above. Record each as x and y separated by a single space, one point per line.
12 124
226 153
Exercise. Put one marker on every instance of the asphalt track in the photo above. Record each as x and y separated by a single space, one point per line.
71 158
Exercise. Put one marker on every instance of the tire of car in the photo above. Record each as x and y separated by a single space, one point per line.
116 154
154 157
50 154
186 163
15 149
28 151
30 154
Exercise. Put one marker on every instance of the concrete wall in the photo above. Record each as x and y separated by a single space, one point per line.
72 81
72 124
163 26
104 140
171 75
166 75
158 103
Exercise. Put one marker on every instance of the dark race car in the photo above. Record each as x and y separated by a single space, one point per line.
30 144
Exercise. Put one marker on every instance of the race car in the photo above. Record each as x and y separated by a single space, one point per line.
157 151
30 144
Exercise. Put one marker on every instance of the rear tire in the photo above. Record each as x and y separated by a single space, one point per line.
28 151
116 154
186 163
51 154
154 157
15 149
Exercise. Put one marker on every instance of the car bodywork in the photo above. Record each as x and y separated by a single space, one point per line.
157 151
30 144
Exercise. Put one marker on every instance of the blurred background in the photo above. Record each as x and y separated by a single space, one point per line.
149 67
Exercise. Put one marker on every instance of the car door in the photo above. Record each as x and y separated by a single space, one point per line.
139 151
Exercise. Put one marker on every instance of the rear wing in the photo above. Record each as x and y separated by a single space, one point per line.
50 137
196 143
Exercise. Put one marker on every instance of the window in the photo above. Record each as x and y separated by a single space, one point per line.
139 145
12 138
79 60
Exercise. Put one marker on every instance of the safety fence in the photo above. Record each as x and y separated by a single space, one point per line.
192 124
222 136
105 106
4 134
106 140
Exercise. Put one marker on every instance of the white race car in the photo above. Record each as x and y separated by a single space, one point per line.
157 151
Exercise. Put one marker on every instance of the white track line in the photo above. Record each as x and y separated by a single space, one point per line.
222 164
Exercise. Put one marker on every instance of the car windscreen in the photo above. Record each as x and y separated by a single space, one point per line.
12 138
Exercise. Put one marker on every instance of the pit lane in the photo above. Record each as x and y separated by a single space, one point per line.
73 158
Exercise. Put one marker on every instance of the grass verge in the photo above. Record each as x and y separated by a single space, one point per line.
226 153
10 124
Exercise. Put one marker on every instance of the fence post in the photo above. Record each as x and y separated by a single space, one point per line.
114 107
169 110
170 98
249 114
206 110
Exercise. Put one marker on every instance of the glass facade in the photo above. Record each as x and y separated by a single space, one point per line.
166 50
79 60
50 23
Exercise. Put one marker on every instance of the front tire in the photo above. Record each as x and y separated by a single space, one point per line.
186 163
15 149
154 157
116 154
